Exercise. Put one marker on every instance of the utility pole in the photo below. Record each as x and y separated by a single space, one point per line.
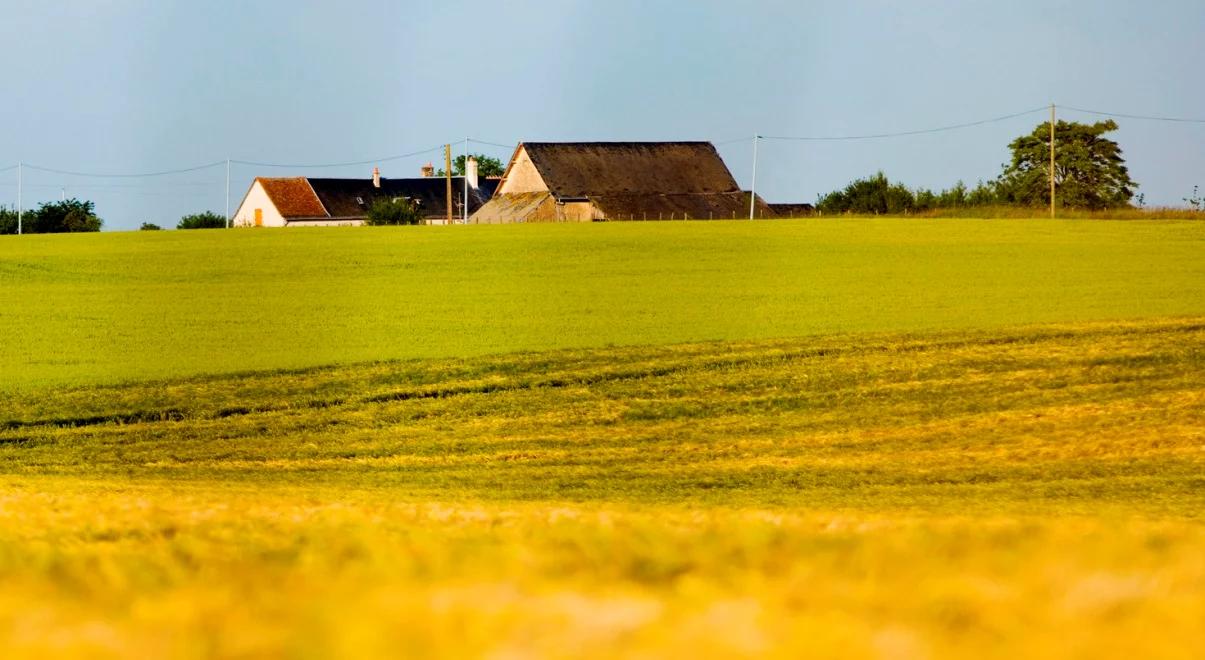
448 176
20 207
465 211
1052 161
227 193
753 186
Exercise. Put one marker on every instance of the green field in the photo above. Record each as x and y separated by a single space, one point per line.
870 439
83 309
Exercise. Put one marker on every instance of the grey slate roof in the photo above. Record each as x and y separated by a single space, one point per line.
351 198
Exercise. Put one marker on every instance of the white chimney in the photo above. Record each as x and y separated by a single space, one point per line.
470 172
376 177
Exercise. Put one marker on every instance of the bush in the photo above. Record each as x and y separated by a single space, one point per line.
395 211
63 217
8 220
147 226
876 195
206 220
870 196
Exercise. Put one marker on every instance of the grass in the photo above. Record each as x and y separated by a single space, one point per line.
1028 491
81 310
1029 213
831 437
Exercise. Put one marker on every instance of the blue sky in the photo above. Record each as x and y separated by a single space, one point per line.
124 87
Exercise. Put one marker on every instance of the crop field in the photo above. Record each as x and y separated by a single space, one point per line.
85 309
882 438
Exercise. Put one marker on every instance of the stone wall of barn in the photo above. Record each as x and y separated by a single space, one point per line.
523 177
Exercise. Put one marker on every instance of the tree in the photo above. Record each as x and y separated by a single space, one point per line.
206 220
395 211
872 195
486 166
67 216
1089 171
149 226
8 220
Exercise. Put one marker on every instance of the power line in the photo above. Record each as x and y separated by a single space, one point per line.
348 164
10 167
96 175
493 144
116 186
1142 117
905 133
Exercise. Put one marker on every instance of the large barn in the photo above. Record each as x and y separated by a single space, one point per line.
317 202
588 181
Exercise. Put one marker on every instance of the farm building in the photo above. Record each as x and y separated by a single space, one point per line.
315 202
587 181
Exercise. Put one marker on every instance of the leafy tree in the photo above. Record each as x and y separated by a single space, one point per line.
983 194
395 211
67 216
8 220
872 195
148 226
1089 171
206 220
486 166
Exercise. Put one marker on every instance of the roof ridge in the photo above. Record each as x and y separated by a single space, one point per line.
315 194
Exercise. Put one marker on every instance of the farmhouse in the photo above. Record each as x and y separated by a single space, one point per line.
314 202
587 181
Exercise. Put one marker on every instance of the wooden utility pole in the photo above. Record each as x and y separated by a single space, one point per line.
448 176
1052 160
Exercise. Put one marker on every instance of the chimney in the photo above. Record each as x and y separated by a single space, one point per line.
376 177
428 170
470 172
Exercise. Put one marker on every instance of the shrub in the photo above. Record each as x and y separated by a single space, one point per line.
206 220
147 226
8 220
395 211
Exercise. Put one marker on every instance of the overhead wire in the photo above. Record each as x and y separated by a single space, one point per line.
1182 120
875 136
141 175
870 136
346 164
493 144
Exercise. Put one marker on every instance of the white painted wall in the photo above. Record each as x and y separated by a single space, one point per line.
257 198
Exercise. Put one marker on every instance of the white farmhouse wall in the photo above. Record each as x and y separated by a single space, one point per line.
523 177
257 198
325 223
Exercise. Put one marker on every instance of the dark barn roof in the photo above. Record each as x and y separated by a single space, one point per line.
581 169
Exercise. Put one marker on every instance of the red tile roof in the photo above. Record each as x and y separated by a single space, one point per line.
293 197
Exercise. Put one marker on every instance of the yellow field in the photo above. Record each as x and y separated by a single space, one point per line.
1025 492
163 570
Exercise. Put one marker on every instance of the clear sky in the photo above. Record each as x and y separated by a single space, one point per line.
125 86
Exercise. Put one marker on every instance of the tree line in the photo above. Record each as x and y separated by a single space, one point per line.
1089 173
75 215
